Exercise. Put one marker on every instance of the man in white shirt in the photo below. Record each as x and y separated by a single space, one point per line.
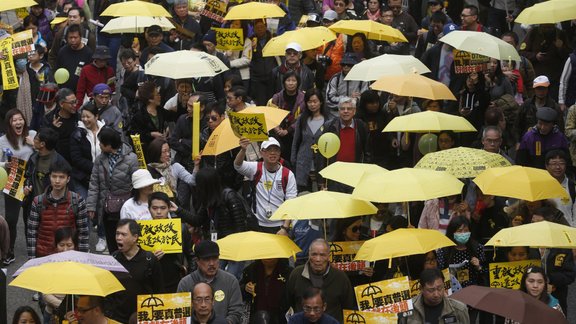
556 162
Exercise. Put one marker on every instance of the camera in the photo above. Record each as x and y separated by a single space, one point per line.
324 60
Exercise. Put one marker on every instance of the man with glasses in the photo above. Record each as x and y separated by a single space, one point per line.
338 87
89 310
556 163
492 141
469 19
292 63
314 306
203 305
64 120
432 305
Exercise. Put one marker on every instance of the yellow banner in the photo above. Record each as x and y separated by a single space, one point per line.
15 185
21 13
356 317
164 308
229 38
342 256
509 274
466 62
161 234
215 10
22 43
9 77
415 284
386 296
251 126
138 150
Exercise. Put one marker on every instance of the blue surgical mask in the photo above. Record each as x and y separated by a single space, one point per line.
462 238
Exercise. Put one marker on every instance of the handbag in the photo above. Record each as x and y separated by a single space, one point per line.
113 202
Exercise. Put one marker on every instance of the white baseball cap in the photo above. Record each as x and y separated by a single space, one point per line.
270 142
295 46
541 81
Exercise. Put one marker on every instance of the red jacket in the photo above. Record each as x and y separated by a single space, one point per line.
90 76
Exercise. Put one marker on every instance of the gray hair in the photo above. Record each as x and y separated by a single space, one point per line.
345 99
491 128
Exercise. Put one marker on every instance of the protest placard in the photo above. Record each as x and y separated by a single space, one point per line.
386 296
15 185
22 43
229 38
138 151
214 10
415 284
509 274
356 317
161 234
164 308
342 256
9 77
250 126
466 62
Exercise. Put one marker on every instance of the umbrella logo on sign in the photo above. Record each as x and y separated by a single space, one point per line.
371 291
215 67
334 248
355 318
152 302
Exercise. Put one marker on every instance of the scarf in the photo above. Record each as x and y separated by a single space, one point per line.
166 171
24 97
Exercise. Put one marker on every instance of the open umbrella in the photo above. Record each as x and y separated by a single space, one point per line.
513 304
541 234
254 10
413 85
371 29
402 242
255 246
349 173
387 64
223 139
308 38
68 278
135 24
106 262
549 12
323 205
481 43
428 121
520 182
136 8
185 64
462 162
6 5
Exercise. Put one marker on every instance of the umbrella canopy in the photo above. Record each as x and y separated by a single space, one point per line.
185 64
255 246
481 43
106 262
322 205
549 12
513 304
428 121
371 29
349 173
406 185
402 242
136 8
223 139
308 38
520 182
254 10
462 162
413 85
68 278
135 24
6 5
541 234
387 64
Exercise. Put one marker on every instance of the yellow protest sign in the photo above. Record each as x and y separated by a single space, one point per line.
251 126
22 43
466 62
164 308
9 77
356 317
229 38
342 256
21 13
215 10
161 234
15 184
509 274
386 296
138 150
415 284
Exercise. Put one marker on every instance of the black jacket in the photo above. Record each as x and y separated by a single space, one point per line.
228 217
81 156
142 124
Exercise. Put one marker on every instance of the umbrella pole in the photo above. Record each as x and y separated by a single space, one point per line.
324 221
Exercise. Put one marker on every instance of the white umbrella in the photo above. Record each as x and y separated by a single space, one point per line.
135 24
185 64
387 64
481 43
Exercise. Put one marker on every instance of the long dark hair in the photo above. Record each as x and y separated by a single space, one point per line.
209 187
25 309
303 118
368 96
10 134
453 226
155 150
367 50
544 297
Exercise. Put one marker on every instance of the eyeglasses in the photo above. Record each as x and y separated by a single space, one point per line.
84 310
71 102
355 229
308 309
202 300
346 108
557 164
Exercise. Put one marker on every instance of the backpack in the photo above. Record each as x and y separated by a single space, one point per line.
251 195
71 201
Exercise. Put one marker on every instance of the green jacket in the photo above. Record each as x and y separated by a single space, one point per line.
452 307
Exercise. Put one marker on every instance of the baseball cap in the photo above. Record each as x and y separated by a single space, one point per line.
294 46
270 142
330 15
100 89
546 114
206 249
541 81
448 28
154 29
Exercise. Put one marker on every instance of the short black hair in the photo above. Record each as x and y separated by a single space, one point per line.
64 233
513 35
430 275
49 137
555 154
312 292
128 53
108 136
473 9
438 16
133 226
61 167
62 94
545 211
158 195
74 29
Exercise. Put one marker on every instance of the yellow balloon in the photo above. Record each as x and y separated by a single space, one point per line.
61 75
3 177
329 145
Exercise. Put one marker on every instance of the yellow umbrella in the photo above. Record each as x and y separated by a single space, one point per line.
68 278
372 30
387 64
406 185
542 234
349 173
254 10
223 139
462 162
429 121
413 85
308 38
185 64
58 20
255 246
323 205
136 8
402 242
481 43
549 12
6 5
135 24
520 182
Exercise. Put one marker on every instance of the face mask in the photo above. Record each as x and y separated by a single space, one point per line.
462 238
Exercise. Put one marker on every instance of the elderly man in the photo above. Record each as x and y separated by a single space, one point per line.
292 63
492 140
318 273
203 302
187 29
